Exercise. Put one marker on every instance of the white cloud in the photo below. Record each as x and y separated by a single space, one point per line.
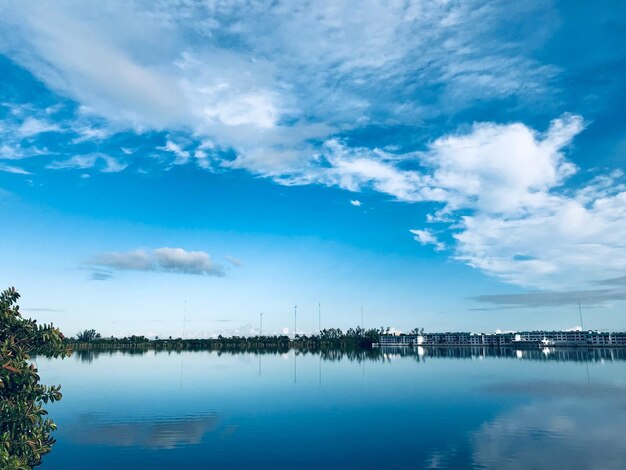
266 79
358 168
271 84
32 126
426 237
105 163
14 169
355 202
87 133
182 156
501 168
172 260
502 193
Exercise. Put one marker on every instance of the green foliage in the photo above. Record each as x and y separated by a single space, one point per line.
88 335
25 432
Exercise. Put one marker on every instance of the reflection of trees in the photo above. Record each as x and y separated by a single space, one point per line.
384 354
25 433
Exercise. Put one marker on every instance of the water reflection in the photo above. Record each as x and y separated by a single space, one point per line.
150 433
387 354
426 407
567 425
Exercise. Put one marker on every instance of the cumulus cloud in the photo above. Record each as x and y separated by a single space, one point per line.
355 202
172 260
502 194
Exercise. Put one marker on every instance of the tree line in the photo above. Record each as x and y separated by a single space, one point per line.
356 337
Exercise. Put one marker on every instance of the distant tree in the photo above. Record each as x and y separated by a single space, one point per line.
25 433
87 335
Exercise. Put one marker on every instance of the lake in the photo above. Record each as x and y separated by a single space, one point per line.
398 408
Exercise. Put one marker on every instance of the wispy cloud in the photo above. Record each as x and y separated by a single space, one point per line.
590 298
182 156
234 261
319 70
56 310
103 162
101 275
33 126
171 260
14 169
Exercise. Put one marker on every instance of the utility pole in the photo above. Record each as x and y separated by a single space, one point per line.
580 312
362 326
319 316
295 320
184 318
261 329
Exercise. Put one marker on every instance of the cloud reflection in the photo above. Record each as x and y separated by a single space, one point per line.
151 434
567 426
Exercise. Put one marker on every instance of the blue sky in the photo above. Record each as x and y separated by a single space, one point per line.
453 165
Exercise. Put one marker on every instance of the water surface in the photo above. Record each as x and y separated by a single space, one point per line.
439 408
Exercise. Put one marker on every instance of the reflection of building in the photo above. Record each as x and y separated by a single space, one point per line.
524 338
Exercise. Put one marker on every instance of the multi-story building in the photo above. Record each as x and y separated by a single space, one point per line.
549 338
399 340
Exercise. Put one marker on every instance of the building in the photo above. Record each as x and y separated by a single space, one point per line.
575 338
399 340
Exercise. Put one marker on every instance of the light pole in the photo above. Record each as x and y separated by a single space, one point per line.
261 315
295 320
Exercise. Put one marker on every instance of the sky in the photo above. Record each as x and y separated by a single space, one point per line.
177 167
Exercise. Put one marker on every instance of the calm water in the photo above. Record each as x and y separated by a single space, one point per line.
431 409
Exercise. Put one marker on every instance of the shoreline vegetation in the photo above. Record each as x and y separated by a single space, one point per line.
354 339
25 431
333 338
